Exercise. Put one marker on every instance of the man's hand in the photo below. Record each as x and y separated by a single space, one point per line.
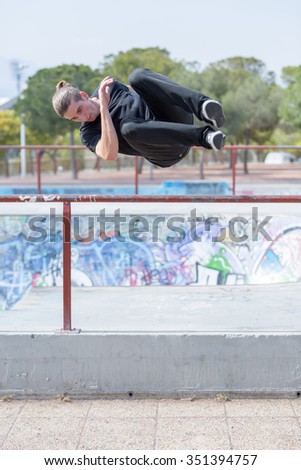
104 92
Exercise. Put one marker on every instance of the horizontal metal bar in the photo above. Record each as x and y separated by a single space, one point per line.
81 147
32 198
42 147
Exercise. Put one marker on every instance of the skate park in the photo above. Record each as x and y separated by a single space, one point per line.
187 327
179 328
197 348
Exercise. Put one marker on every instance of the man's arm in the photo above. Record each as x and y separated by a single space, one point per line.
107 146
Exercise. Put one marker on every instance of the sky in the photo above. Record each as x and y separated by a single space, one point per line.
47 33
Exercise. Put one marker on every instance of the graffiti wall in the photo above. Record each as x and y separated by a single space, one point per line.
145 252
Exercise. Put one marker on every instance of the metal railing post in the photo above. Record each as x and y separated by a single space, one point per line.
38 156
136 175
233 165
67 265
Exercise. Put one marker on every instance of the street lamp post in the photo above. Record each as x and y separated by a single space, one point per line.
18 71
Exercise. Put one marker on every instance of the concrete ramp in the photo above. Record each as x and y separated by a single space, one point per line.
161 341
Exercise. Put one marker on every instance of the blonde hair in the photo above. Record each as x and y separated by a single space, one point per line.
64 95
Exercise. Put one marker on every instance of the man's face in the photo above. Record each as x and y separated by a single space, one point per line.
84 110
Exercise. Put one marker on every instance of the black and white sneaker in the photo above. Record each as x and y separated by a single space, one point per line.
212 112
213 139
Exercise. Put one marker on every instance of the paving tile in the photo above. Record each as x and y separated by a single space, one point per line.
32 433
55 408
188 408
296 405
118 434
192 433
148 424
6 422
10 408
265 433
123 409
244 407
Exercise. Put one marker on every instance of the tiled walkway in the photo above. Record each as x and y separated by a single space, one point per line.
213 423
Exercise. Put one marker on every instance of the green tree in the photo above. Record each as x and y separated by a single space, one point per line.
10 135
250 98
9 128
157 59
251 109
228 74
36 104
290 107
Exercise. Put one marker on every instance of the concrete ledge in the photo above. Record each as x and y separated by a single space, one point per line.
162 364
155 342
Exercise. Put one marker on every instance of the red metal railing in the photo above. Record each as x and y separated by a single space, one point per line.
39 148
232 148
39 172
67 200
67 265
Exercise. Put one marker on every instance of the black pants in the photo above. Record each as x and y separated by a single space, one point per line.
167 138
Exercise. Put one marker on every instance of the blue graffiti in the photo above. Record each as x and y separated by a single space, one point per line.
25 264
